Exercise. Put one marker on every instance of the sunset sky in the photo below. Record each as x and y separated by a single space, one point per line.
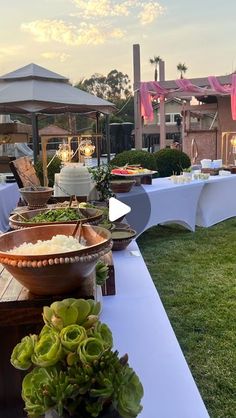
77 38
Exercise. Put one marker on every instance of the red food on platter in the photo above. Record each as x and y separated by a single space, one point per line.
119 171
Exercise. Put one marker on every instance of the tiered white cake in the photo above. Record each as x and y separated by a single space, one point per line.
74 179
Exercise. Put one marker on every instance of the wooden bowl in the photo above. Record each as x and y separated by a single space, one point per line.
122 238
122 186
36 198
53 274
91 216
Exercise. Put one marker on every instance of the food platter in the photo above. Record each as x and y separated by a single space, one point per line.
132 171
146 173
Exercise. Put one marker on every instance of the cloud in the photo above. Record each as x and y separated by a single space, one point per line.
62 56
146 12
10 50
150 11
57 30
102 8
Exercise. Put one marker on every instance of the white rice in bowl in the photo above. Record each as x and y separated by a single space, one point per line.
58 244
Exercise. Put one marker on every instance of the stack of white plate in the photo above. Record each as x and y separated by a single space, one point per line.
206 163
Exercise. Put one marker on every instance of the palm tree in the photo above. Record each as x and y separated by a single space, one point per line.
182 69
154 61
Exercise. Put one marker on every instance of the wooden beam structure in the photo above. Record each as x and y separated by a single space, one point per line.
138 134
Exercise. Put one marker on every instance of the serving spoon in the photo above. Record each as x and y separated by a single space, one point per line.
78 227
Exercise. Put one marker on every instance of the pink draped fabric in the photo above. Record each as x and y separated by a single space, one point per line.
146 104
148 89
186 85
233 96
153 88
215 85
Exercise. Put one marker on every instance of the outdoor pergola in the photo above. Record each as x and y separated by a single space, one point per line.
144 92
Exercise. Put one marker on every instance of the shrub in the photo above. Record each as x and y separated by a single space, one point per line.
144 158
53 168
169 161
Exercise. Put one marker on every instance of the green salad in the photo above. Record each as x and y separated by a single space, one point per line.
57 215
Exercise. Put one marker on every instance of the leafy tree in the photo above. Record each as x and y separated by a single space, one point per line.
114 86
119 85
155 61
182 69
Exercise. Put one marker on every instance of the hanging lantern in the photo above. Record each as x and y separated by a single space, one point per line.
64 153
87 148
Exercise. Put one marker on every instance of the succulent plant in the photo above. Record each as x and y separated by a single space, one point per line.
21 355
73 368
101 272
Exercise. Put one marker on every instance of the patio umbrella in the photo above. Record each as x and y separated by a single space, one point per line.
34 89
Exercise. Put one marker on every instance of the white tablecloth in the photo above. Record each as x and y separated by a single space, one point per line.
9 196
217 201
163 202
141 328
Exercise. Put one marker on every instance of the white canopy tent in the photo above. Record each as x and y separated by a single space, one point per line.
33 89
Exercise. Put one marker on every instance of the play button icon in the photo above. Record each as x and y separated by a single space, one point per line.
117 209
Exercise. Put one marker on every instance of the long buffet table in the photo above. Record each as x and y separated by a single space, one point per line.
162 202
200 202
141 328
217 201
135 314
9 196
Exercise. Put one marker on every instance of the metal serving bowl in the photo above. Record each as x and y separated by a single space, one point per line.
52 274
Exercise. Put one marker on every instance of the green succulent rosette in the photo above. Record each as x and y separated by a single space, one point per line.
59 315
90 350
103 332
22 352
33 385
71 311
129 394
71 336
47 350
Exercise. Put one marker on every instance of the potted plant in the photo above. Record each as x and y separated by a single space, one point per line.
102 178
73 370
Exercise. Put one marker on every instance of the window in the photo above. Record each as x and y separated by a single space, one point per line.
177 116
170 118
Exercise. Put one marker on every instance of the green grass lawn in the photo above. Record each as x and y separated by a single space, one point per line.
195 275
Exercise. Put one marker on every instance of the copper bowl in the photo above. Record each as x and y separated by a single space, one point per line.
53 274
36 197
122 238
91 216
